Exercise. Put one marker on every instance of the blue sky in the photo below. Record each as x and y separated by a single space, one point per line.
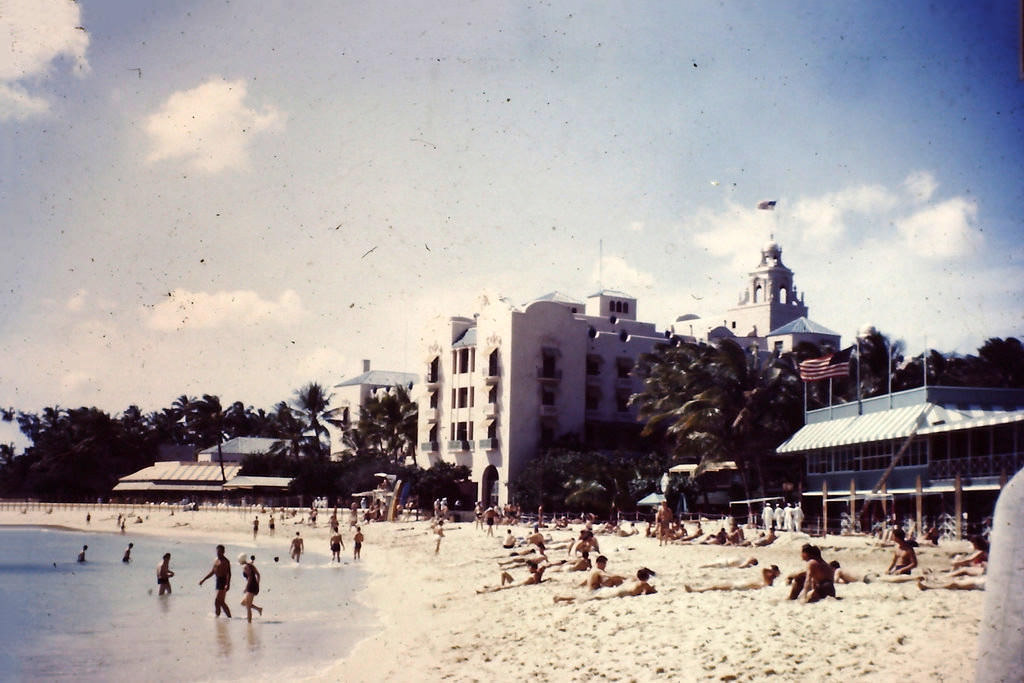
217 197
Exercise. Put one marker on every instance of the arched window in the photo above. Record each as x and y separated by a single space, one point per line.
758 292
784 295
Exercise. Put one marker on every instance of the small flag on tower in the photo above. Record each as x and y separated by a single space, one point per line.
833 365
767 205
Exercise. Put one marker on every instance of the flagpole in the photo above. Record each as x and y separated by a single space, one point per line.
924 362
830 397
860 405
888 368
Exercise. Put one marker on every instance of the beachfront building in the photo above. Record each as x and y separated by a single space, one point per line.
350 395
947 437
770 316
235 450
505 384
199 481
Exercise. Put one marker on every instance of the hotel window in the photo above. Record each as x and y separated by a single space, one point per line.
622 401
593 365
433 433
492 395
433 370
623 367
453 432
472 396
547 397
463 360
463 397
462 432
548 364
593 399
492 430
433 398
625 307
547 434
492 364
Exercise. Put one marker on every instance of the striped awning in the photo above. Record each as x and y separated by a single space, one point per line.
881 426
943 419
150 486
181 472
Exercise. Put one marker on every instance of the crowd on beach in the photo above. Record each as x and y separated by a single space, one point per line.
539 552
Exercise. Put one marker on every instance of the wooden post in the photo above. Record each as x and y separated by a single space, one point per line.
824 509
919 495
853 505
1002 479
885 506
958 494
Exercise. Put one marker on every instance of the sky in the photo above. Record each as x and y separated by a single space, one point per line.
238 199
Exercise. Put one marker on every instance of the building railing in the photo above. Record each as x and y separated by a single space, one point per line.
548 411
976 466
429 446
458 445
488 444
551 375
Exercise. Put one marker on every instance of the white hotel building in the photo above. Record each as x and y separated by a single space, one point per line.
504 384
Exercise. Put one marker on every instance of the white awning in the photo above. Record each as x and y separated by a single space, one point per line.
837 495
881 426
943 419
252 482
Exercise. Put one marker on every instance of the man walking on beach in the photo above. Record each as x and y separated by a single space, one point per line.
336 545
357 543
164 574
222 570
297 547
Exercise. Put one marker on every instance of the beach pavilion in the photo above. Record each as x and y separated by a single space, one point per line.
926 445
199 481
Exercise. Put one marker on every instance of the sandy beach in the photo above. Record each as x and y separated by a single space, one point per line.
435 626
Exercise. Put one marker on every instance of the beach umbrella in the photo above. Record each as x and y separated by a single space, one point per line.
651 499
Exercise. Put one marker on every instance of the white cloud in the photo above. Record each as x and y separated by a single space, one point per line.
825 219
207 310
941 231
921 185
614 273
209 127
34 34
636 226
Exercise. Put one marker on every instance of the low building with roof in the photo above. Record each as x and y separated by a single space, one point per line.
197 481
350 395
235 450
945 438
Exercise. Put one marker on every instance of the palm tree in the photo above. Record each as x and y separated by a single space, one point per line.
205 420
387 422
290 431
716 403
313 403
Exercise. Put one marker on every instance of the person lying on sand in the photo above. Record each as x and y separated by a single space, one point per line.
599 578
580 565
625 533
768 576
973 564
716 538
963 583
840 575
536 576
690 538
642 586
737 562
762 539
904 559
816 581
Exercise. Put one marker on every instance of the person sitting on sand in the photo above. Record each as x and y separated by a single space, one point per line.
736 562
840 575
599 578
624 533
975 563
904 559
765 539
735 536
716 538
510 541
536 576
690 538
816 582
768 576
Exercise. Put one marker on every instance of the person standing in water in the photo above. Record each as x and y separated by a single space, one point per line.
252 585
357 544
81 555
127 557
222 571
164 574
297 547
337 543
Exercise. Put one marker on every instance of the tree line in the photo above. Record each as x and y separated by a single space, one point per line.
80 453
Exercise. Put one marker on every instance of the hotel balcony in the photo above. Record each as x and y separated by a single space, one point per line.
460 445
976 466
429 447
548 411
548 375
491 410
490 379
430 414
487 444
432 382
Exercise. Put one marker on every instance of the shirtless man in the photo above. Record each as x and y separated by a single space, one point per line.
439 530
640 587
536 576
904 560
336 546
222 571
164 574
127 557
768 576
663 520
599 578
816 581
357 544
297 547
255 527
490 516
81 555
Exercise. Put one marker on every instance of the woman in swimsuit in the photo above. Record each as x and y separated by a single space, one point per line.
252 584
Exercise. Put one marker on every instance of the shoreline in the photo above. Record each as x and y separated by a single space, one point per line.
429 624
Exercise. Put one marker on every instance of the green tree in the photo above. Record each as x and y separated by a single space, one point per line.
206 421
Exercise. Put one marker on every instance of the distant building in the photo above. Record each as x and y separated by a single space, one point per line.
505 384
198 481
975 433
234 450
351 394
771 315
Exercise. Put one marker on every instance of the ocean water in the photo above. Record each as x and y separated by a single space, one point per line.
103 620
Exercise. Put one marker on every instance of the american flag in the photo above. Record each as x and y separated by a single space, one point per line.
767 205
833 365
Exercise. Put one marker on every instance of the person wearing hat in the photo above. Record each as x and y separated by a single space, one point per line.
252 584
